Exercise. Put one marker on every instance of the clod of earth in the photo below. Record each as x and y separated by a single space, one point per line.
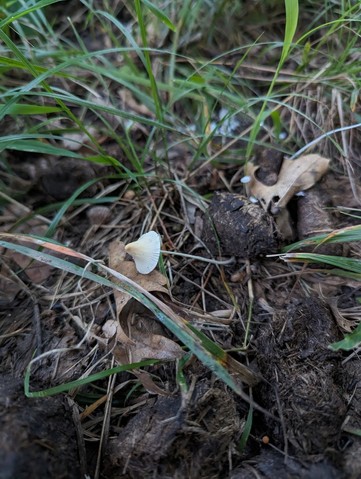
37 436
293 356
196 437
235 226
314 215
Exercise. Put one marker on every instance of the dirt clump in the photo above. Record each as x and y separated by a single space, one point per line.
37 436
235 226
167 440
301 374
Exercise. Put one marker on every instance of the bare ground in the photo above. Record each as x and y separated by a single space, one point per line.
156 430
149 424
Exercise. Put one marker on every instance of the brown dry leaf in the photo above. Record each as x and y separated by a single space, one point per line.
154 346
36 271
149 385
130 104
294 176
344 323
144 343
153 281
8 288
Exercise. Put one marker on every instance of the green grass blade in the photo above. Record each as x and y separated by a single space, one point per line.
348 264
344 235
291 7
16 16
33 146
29 66
66 205
181 332
27 109
246 431
148 63
350 341
291 26
80 382
160 15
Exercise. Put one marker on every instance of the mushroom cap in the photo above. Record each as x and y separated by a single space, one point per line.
145 252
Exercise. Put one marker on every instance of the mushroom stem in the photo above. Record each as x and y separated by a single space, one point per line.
200 258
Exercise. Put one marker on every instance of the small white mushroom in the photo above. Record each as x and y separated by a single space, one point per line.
245 179
145 252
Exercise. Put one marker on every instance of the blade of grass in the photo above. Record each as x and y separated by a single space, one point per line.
80 382
344 235
291 7
246 431
178 326
29 66
23 109
33 146
67 204
347 264
350 341
16 16
160 15
55 206
148 63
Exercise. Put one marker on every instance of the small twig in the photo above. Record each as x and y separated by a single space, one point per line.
251 301
79 436
106 422
37 326
281 417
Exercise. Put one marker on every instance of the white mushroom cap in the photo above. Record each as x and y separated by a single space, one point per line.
145 252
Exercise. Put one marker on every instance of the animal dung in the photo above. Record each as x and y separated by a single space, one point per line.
145 252
235 226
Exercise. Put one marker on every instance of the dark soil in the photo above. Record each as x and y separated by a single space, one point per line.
37 436
310 393
176 419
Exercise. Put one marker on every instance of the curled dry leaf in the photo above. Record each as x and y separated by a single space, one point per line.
294 176
344 323
36 271
131 104
144 342
9 288
153 281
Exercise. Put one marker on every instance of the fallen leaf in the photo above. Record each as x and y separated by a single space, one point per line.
154 346
153 281
143 340
149 385
143 344
9 288
129 103
294 176
344 323
36 271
